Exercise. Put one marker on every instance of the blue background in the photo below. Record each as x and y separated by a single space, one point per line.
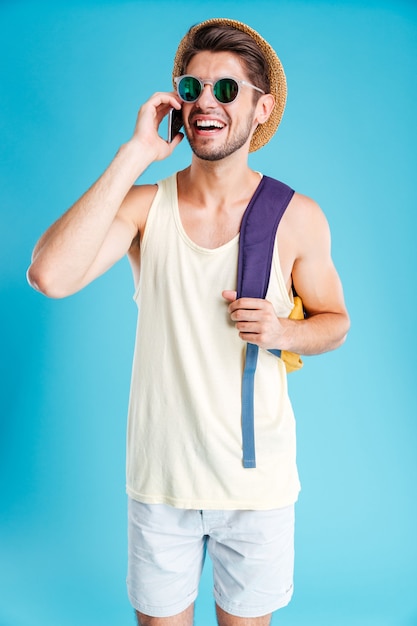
72 78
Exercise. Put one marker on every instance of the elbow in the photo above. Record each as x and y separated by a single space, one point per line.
344 330
341 341
41 281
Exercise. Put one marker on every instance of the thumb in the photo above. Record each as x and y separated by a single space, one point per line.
228 295
175 142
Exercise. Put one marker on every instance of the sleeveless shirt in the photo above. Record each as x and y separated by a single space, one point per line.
184 440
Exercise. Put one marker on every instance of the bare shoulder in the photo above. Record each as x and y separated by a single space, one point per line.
303 209
304 223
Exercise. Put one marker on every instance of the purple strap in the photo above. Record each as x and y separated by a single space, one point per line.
256 246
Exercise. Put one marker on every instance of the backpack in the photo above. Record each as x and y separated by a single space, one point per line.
256 246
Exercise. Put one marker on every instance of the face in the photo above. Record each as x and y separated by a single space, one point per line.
215 130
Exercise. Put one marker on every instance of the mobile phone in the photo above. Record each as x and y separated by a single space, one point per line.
174 123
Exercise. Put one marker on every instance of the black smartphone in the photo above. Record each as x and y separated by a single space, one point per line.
174 123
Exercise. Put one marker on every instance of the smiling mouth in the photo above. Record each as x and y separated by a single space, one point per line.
208 125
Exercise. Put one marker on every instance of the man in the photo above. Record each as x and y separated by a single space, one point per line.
188 490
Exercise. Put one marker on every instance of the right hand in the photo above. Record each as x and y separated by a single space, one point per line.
148 121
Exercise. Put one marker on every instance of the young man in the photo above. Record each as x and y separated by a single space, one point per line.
188 490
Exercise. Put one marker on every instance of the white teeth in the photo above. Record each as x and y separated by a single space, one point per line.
209 124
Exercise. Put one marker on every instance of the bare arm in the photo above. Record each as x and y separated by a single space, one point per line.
315 279
100 227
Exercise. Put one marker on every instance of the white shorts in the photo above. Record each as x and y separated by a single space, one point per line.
252 554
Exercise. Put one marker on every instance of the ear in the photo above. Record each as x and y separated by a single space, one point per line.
264 108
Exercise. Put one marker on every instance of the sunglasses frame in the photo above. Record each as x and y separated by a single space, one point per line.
205 81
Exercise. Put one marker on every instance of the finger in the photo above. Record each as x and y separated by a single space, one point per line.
168 98
161 111
247 304
159 105
175 142
229 295
245 315
250 338
249 315
248 327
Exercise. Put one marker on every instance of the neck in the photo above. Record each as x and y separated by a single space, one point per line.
219 181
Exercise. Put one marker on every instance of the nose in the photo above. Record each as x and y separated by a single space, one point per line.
207 99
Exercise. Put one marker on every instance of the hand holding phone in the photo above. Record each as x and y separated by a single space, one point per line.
174 123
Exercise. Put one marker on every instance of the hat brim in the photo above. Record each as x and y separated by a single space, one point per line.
264 132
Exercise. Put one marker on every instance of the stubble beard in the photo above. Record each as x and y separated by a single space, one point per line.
207 152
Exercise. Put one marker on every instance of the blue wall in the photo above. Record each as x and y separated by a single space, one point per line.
72 76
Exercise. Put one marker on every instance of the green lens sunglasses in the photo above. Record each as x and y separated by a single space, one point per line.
225 90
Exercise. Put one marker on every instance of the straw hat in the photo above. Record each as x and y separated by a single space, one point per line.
277 80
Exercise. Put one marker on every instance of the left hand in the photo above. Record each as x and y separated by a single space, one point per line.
256 321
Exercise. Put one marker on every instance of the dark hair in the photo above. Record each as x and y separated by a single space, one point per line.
225 38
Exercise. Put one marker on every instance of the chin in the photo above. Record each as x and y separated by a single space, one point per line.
217 153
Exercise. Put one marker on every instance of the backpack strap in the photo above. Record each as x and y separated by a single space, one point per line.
256 246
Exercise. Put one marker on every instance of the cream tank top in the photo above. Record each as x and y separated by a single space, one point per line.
184 439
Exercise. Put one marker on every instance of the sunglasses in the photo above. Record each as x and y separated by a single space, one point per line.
225 90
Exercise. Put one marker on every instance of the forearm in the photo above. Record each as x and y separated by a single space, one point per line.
67 249
100 227
314 335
